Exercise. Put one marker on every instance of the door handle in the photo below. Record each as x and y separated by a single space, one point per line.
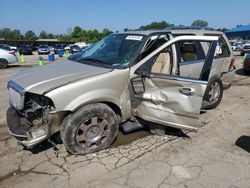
187 91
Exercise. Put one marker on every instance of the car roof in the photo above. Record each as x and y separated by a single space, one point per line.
174 31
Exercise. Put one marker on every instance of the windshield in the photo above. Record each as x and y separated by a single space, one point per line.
43 46
114 50
25 46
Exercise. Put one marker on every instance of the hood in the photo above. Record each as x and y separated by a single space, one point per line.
48 77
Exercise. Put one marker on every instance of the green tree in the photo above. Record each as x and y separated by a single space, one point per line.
77 33
106 32
50 36
200 23
30 35
156 25
43 35
127 29
16 34
223 29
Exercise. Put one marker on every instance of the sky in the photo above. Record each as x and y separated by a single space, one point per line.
57 16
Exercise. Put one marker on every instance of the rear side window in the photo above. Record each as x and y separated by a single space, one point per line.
190 51
222 49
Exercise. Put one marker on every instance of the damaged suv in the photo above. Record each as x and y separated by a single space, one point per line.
164 77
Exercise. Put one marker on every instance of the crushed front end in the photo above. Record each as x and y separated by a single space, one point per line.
31 118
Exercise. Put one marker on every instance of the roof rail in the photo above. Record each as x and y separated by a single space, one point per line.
188 27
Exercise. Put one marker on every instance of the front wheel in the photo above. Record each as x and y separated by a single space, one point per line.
90 129
3 64
213 93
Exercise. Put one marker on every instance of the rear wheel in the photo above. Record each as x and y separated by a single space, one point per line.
3 64
214 93
90 129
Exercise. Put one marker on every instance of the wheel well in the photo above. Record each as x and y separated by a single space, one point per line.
1 59
114 107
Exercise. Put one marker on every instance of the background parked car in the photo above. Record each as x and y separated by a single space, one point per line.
235 46
43 49
74 49
246 64
245 49
59 47
13 48
25 50
6 58
77 56
5 47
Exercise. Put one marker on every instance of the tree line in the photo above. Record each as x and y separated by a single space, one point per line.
88 36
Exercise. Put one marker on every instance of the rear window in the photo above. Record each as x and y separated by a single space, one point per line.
190 51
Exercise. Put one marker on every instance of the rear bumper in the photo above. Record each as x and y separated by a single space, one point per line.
26 135
43 52
227 79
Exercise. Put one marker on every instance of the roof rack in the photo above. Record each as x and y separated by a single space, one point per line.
189 27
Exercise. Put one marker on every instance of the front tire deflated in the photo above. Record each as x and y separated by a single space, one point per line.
90 129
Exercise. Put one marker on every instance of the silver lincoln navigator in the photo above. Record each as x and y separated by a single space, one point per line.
164 77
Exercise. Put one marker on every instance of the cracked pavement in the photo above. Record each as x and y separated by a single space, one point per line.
218 155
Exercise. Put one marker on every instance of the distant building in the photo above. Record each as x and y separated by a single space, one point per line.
47 40
241 31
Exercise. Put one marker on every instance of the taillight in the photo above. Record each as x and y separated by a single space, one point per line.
232 66
12 52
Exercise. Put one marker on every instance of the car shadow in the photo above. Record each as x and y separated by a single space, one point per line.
17 66
241 72
45 145
243 142
170 131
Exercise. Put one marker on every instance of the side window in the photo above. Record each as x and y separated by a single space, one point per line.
190 51
153 43
222 49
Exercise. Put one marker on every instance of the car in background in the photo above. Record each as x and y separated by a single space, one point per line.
235 46
43 49
13 48
245 49
77 56
6 58
5 47
74 49
246 63
59 47
25 50
67 48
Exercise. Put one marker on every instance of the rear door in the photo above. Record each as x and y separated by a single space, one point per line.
164 97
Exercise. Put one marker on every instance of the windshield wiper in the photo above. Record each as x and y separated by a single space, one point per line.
100 62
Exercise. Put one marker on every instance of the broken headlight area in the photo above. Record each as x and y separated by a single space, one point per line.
36 121
37 108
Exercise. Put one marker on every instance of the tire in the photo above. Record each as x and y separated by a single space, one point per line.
3 64
90 129
213 93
